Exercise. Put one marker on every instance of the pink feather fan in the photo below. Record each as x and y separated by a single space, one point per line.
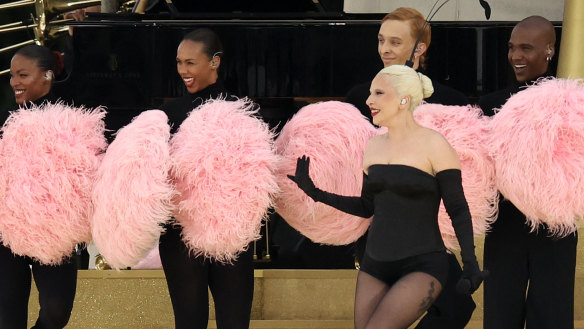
537 142
224 169
152 261
133 193
334 135
467 131
49 158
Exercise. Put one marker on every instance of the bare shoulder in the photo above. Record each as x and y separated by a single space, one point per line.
436 140
441 154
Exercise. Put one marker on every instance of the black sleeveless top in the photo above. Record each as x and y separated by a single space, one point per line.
405 220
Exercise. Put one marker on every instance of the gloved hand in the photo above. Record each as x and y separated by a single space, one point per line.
471 278
302 177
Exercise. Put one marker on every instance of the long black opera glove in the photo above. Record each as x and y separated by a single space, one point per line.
359 206
450 182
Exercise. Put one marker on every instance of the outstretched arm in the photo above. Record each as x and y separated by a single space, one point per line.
361 206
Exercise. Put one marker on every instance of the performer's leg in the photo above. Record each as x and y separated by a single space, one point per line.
368 295
56 286
451 310
505 257
232 289
404 302
186 277
550 299
15 280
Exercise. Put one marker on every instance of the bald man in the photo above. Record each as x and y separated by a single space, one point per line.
531 282
531 48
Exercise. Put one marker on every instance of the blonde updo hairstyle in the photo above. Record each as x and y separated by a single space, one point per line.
407 82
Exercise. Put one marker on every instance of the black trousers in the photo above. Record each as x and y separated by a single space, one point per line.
451 310
56 286
188 278
531 281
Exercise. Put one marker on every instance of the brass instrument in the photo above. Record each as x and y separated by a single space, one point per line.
44 22
570 64
101 263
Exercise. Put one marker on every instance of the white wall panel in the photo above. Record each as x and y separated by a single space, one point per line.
465 10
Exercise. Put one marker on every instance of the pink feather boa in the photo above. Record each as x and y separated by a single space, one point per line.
223 165
133 193
467 131
537 142
334 135
49 158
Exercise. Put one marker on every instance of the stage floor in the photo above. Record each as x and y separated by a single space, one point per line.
138 299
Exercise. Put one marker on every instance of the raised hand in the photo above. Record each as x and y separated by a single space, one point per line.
302 177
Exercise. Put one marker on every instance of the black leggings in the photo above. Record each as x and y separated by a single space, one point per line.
188 278
56 286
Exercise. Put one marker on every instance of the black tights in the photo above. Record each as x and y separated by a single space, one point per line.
56 286
378 305
188 278
450 310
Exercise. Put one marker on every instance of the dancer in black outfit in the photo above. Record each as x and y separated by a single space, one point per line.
406 173
188 277
531 284
32 71
397 35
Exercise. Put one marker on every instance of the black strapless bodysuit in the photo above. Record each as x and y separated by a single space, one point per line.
405 220
404 236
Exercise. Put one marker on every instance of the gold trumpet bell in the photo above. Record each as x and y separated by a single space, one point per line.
101 263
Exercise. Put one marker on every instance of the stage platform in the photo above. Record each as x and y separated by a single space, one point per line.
138 299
